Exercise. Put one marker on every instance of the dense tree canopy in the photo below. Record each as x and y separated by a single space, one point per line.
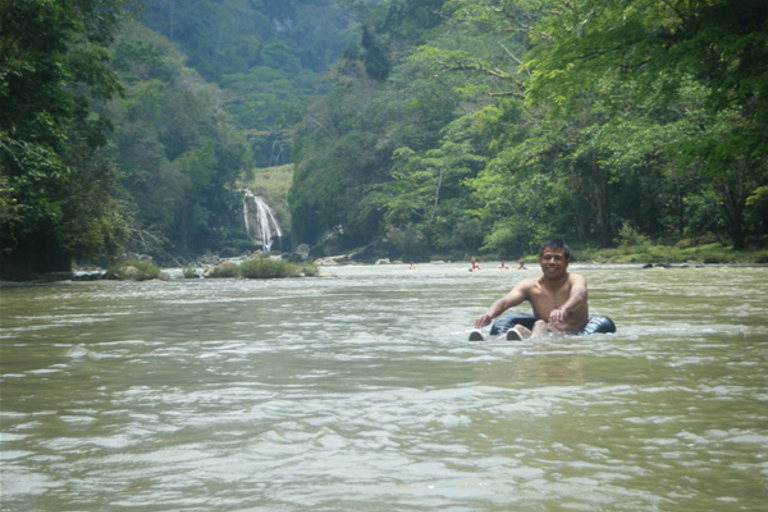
57 193
630 50
108 141
417 128
586 119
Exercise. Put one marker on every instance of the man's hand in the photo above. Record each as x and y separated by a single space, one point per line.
556 316
483 320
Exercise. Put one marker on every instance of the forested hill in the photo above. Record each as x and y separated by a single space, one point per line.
130 126
269 55
417 128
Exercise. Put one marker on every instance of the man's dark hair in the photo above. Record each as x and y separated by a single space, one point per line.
555 245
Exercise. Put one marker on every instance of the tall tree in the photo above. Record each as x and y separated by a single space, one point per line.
53 59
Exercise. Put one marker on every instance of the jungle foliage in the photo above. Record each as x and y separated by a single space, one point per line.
269 55
110 141
416 128
178 151
505 122
57 193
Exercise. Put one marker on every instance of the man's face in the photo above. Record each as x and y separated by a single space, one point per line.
553 263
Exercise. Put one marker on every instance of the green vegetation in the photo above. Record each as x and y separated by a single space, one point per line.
58 196
517 121
179 155
681 252
110 142
222 270
273 183
270 268
393 128
263 267
269 56
190 273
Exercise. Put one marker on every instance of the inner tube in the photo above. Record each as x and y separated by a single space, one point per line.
596 324
506 322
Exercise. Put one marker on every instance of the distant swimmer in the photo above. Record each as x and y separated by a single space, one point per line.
473 265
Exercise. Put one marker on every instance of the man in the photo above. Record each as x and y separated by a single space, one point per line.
558 297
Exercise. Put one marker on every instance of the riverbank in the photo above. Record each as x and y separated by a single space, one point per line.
682 252
707 254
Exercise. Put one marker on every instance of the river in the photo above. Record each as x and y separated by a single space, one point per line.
361 392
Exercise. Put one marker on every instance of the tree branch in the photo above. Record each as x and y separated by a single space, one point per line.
516 59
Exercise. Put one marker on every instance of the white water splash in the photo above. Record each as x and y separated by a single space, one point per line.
260 222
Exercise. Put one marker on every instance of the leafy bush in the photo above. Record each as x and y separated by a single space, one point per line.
268 268
309 269
629 236
226 269
190 273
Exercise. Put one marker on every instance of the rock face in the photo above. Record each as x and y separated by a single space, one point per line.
132 273
303 251
333 261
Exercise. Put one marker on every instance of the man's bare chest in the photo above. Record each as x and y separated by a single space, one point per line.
544 300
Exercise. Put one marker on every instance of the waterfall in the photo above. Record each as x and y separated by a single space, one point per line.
260 223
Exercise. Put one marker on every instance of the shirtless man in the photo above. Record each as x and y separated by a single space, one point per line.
559 298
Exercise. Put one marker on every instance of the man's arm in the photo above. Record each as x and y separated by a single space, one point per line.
575 299
517 295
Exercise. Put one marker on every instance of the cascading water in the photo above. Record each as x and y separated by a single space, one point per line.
260 222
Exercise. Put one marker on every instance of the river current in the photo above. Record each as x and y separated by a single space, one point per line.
361 392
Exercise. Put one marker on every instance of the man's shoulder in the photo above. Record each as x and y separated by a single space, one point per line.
576 278
525 286
532 285
528 282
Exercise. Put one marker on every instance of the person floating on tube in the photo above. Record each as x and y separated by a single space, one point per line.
558 297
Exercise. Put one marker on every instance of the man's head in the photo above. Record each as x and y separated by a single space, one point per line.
554 245
554 258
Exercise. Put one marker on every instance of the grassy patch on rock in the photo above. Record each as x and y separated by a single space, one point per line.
226 269
269 268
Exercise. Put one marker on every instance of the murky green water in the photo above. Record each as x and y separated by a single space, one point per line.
360 392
